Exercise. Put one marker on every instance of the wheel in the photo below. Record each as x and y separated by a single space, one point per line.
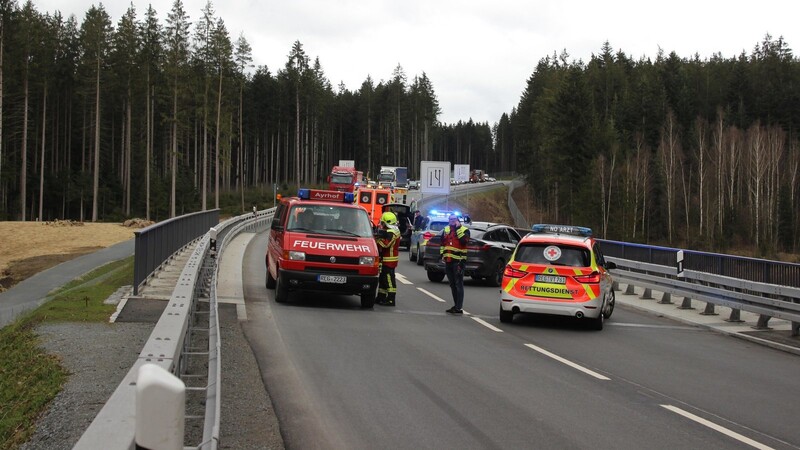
368 298
496 278
270 280
506 316
610 306
597 324
411 255
419 257
281 291
436 277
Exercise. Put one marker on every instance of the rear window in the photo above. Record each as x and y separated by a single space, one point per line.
555 255
437 226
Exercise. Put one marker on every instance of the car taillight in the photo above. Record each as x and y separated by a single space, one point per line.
427 235
514 273
593 277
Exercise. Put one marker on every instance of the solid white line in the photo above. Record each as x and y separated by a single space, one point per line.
486 324
715 427
433 296
402 279
568 362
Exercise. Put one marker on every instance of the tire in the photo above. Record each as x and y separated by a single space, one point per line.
419 257
368 298
597 324
281 291
506 316
496 278
609 309
411 255
436 277
270 280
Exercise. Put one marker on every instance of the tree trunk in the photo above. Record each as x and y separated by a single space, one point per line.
96 183
23 174
216 144
174 154
41 162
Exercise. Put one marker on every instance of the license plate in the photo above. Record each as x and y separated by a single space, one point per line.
550 279
331 279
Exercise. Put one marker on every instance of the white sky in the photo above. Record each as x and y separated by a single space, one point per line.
477 54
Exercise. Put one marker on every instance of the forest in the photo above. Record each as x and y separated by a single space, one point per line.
104 120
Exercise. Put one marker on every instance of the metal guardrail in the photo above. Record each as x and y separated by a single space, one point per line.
657 268
155 244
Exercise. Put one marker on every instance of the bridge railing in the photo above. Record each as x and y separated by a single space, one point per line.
155 244
767 288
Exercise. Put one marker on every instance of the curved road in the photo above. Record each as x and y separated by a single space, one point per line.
415 377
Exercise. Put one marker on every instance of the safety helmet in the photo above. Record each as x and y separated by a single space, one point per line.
389 218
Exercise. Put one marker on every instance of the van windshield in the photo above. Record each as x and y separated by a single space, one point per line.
330 219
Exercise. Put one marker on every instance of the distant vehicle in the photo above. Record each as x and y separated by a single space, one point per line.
491 179
413 184
477 176
393 177
344 179
558 270
489 249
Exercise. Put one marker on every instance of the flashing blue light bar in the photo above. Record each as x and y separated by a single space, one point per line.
328 196
349 197
562 229
304 193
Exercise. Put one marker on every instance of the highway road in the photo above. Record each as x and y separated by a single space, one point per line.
414 377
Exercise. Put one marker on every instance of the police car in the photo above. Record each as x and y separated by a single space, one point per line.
431 226
558 270
321 241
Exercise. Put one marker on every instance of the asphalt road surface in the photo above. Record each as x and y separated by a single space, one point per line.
414 377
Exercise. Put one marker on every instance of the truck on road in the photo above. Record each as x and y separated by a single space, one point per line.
344 179
393 177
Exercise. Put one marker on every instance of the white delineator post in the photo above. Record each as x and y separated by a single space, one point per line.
160 409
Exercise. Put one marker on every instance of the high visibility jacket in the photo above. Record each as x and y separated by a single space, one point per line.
389 246
454 243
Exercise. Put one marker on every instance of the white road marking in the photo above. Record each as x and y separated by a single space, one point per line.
241 313
433 296
402 279
568 362
719 428
486 324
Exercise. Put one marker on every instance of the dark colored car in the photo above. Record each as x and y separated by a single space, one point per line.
490 247
404 219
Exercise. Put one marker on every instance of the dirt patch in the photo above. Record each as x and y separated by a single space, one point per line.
31 247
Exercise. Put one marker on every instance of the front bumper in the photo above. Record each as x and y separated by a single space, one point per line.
299 280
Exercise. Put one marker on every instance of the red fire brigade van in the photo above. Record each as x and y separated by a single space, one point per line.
322 241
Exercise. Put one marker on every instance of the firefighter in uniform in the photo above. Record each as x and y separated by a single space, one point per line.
388 239
455 237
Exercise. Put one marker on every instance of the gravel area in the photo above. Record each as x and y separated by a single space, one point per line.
99 355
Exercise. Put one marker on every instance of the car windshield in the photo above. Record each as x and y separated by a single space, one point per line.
330 219
338 178
437 226
552 254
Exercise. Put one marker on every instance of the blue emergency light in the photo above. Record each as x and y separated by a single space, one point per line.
562 229
346 197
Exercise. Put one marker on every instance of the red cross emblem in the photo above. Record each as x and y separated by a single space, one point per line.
552 253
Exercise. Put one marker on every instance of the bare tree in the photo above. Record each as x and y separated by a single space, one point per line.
757 161
701 134
669 151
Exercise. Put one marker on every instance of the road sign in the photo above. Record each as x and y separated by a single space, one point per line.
435 177
347 163
461 173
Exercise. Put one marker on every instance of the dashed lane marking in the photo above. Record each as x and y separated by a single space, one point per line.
431 295
568 362
485 323
715 427
402 279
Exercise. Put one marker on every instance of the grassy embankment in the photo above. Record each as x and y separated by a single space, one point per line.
30 378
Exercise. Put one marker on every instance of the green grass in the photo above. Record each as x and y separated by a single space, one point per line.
29 377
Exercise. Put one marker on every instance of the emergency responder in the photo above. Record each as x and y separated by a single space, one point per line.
455 237
388 239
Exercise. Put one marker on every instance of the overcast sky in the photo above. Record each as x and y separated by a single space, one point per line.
477 54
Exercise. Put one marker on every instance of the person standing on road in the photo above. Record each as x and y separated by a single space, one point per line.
455 237
388 240
419 221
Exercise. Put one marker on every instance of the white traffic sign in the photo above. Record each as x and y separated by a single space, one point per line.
347 163
434 177
461 173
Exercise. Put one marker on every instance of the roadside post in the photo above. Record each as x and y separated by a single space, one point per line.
160 409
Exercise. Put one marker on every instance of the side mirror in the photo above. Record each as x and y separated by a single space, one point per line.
276 226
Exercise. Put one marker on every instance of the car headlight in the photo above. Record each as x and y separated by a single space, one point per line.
366 260
297 256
